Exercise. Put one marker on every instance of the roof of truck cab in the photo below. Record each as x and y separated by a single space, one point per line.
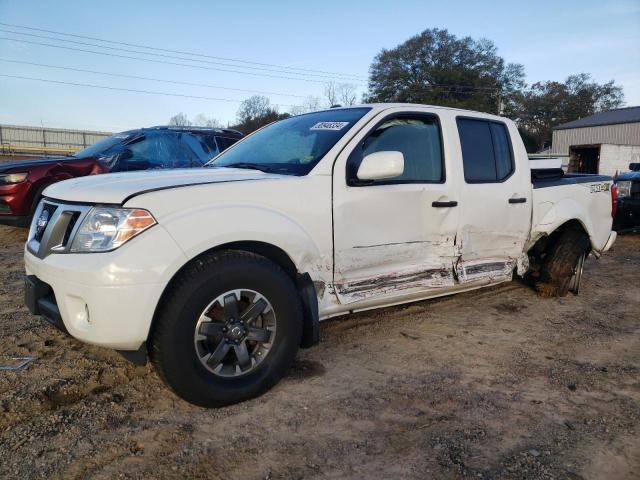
387 106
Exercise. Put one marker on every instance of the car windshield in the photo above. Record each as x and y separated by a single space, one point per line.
103 145
292 146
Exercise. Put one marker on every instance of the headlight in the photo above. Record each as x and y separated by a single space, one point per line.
105 228
10 178
624 189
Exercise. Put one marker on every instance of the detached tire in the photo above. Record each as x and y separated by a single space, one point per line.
562 267
228 330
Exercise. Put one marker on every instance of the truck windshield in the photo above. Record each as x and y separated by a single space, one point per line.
292 146
102 145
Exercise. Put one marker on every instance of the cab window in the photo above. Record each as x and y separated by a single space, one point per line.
416 137
486 150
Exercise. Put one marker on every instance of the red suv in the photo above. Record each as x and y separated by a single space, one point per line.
22 181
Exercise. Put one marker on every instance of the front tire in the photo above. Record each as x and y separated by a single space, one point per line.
227 330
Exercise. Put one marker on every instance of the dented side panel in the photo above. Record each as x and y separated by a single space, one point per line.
495 221
389 240
387 270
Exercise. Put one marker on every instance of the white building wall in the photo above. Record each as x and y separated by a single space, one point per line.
616 158
620 134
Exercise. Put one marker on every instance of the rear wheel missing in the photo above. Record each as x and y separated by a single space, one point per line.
564 264
576 278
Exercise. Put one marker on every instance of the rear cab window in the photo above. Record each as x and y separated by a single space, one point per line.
487 155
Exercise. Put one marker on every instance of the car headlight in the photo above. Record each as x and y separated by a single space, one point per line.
106 228
624 188
10 178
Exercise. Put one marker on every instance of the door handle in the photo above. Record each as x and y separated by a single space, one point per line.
437 204
518 200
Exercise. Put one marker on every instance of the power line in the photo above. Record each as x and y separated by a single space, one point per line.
148 92
201 67
436 86
176 82
46 37
284 67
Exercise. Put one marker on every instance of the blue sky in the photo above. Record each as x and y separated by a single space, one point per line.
552 39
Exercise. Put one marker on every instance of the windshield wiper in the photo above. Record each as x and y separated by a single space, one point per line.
249 166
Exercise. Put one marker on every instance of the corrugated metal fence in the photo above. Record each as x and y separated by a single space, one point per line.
18 140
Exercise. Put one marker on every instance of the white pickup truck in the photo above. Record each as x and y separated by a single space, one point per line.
220 274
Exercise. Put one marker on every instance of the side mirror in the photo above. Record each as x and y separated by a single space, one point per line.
381 165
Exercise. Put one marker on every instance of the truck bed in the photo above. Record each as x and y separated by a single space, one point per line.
585 198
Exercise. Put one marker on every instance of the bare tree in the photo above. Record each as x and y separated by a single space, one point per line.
201 120
346 93
340 94
254 107
255 112
310 104
331 93
179 120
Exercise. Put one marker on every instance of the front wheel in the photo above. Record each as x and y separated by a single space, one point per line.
228 329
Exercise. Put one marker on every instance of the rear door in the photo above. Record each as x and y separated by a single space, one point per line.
495 199
394 238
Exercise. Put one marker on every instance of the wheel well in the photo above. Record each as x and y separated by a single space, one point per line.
544 244
277 256
267 250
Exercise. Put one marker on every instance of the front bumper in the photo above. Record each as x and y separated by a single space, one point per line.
106 299
40 300
16 201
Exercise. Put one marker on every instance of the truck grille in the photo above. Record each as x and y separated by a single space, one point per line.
53 226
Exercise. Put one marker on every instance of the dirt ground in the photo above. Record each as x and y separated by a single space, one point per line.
496 383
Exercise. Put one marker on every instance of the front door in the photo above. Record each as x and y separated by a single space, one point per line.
495 217
394 238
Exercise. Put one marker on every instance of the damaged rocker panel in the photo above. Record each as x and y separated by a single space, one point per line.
490 269
386 284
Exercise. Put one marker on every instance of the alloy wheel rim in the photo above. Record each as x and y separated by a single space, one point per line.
235 333
576 278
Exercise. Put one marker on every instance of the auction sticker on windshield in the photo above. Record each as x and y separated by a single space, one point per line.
329 126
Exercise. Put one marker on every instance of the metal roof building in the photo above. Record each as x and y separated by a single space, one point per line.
603 143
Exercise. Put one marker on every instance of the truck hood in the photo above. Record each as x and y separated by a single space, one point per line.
117 188
20 165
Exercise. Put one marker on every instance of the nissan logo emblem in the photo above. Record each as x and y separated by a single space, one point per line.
41 223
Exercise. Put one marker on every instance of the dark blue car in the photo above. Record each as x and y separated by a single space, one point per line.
628 211
23 181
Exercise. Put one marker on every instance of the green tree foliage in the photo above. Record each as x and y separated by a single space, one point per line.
256 112
545 105
436 67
